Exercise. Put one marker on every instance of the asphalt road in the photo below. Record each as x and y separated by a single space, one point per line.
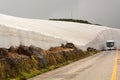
100 66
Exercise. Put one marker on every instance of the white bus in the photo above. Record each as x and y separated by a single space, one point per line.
110 45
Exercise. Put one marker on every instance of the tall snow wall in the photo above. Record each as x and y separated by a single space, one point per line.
15 37
99 42
45 34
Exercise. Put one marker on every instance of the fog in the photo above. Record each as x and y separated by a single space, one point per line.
104 12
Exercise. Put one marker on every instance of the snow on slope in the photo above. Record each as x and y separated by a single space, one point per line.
33 31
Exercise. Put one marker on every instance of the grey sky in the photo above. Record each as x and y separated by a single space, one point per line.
105 12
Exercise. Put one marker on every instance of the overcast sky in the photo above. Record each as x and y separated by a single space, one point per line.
104 12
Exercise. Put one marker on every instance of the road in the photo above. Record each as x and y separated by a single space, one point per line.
100 66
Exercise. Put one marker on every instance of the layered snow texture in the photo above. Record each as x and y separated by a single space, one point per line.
44 33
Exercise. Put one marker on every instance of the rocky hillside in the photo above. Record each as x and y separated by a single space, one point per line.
23 62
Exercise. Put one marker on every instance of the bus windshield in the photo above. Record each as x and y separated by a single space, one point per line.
110 44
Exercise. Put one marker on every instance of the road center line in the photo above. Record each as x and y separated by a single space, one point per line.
114 73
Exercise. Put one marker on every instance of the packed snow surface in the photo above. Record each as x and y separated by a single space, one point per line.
45 33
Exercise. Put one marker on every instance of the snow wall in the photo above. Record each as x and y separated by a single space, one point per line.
99 42
15 37
45 34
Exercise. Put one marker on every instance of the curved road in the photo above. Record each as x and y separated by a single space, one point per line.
100 66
